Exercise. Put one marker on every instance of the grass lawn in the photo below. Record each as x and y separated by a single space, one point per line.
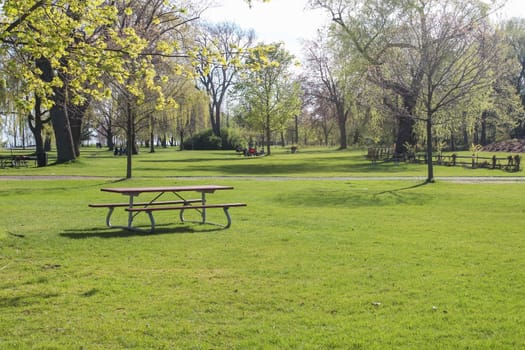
309 264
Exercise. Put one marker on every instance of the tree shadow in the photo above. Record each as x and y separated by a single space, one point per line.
351 197
424 183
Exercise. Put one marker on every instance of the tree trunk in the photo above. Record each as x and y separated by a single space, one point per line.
63 137
217 124
268 135
465 130
483 136
151 134
430 165
75 122
296 129
36 125
109 139
76 114
405 134
58 114
129 140
342 117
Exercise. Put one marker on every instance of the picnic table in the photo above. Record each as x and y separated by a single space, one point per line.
177 202
16 161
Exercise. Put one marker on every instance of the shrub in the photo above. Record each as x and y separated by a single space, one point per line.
230 139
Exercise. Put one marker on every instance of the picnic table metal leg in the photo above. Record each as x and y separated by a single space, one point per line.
152 220
108 217
203 209
226 212
130 214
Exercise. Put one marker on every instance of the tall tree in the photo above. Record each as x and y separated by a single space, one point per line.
333 77
159 29
59 55
428 53
514 30
268 97
222 49
376 29
457 55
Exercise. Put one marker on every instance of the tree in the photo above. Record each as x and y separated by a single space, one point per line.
514 30
60 57
375 29
222 50
159 28
430 54
82 44
333 77
268 97
457 54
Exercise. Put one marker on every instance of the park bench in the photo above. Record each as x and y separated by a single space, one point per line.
383 153
16 161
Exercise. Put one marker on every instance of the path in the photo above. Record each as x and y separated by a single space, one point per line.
457 179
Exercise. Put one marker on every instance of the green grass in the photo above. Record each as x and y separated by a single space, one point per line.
309 264
313 162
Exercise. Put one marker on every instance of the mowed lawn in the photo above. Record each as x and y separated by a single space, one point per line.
321 263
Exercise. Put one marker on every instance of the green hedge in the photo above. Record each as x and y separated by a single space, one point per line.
230 139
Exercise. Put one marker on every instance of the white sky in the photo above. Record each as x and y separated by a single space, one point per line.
291 20
278 20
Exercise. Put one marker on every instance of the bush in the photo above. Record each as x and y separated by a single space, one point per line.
230 139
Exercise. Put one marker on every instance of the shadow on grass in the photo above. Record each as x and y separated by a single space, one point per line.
317 165
109 232
353 197
404 188
30 299
57 186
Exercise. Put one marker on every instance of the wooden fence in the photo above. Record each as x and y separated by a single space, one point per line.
509 163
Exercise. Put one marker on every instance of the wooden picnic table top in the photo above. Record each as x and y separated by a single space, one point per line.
138 190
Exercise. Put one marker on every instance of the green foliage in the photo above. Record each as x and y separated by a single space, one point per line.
269 98
230 139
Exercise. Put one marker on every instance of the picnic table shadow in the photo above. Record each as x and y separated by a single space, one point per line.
114 232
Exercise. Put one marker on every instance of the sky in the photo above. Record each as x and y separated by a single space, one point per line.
291 21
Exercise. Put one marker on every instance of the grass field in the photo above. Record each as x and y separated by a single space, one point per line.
322 263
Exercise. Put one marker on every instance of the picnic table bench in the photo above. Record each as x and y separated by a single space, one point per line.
16 161
180 204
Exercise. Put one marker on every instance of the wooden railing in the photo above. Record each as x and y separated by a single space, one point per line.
509 163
